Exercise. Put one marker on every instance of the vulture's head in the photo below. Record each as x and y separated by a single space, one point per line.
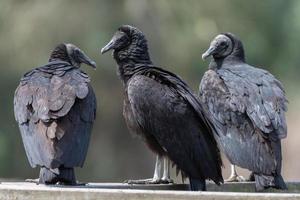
128 42
225 45
71 54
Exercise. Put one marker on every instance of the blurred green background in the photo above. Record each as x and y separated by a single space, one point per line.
178 32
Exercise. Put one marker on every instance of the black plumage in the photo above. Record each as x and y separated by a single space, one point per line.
247 106
161 108
55 108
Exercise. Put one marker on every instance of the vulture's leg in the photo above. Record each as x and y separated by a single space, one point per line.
157 170
234 177
156 177
166 173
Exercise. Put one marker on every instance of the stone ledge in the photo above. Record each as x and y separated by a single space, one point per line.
103 191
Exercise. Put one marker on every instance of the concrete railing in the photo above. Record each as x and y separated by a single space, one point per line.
114 191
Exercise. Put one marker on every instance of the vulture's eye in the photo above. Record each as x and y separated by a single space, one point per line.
77 51
223 43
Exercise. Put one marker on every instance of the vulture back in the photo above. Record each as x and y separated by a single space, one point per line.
55 107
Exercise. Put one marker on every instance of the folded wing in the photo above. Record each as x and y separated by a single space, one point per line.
55 111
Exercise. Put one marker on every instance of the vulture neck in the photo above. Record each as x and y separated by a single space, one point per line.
236 57
134 56
60 54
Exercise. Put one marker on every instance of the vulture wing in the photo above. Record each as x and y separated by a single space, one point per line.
259 94
163 107
238 107
55 107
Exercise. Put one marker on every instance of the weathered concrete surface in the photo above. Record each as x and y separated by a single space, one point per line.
26 191
294 187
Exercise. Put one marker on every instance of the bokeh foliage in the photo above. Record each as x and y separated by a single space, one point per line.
178 32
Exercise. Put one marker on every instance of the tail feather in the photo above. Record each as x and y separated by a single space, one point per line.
263 182
276 181
279 183
61 175
197 184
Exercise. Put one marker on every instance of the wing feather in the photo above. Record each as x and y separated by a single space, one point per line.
55 110
247 106
242 143
169 117
261 94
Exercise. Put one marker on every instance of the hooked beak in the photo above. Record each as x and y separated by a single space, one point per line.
108 47
210 51
86 60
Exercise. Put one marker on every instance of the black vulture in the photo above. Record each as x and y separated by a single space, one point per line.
161 109
247 106
55 107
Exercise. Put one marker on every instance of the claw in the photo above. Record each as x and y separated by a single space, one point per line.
166 181
149 181
140 181
158 178
235 178
36 181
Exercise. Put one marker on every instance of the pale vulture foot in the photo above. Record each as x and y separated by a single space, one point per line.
166 180
29 180
234 177
145 181
157 177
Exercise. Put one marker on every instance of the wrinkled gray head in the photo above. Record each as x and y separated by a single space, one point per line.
123 38
128 43
225 45
72 54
